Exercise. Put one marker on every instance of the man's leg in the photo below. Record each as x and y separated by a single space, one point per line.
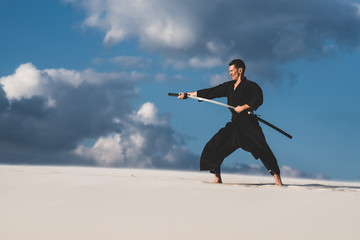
278 181
216 150
270 162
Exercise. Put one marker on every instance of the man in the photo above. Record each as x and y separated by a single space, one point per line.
243 131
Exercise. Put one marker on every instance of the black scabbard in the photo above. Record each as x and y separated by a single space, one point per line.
274 127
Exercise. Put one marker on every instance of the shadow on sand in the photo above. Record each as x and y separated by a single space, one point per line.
308 186
323 186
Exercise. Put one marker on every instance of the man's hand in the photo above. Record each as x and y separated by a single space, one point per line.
239 109
182 96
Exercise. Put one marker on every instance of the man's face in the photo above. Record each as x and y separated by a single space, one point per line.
234 72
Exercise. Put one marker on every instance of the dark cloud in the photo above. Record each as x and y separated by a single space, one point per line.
59 116
246 169
264 33
4 102
84 111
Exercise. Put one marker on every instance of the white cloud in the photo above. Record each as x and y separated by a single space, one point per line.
116 150
148 114
205 63
106 151
26 82
169 33
195 62
146 141
114 35
155 23
217 79
89 76
74 78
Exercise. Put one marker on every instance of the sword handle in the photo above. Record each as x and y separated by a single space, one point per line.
176 94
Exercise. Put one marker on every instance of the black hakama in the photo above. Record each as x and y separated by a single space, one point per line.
243 131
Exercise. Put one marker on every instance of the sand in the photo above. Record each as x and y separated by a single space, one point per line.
42 202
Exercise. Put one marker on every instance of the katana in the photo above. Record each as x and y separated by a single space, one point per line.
232 107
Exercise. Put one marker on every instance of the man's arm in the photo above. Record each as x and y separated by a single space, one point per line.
256 96
238 109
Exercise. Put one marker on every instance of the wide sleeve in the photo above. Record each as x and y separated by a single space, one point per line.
214 92
255 96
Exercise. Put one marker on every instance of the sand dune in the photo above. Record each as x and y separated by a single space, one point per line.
98 203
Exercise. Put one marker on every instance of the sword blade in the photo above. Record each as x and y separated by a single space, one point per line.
211 101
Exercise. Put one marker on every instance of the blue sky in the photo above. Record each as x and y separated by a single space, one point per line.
86 82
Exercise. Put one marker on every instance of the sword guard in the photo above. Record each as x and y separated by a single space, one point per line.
251 113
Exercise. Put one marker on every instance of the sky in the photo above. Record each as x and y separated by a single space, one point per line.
86 82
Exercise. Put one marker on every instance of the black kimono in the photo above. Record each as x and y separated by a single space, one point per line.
243 131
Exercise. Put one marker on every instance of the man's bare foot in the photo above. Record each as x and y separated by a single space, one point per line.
278 181
217 179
